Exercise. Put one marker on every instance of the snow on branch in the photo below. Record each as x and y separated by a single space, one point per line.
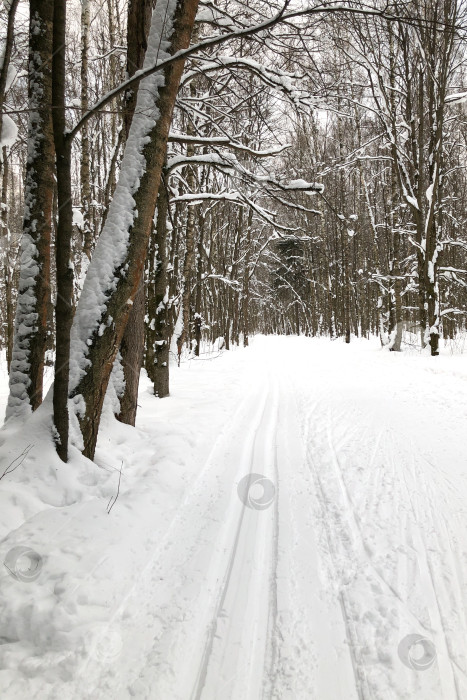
234 284
456 99
230 165
279 17
208 13
209 196
280 80
227 142
452 311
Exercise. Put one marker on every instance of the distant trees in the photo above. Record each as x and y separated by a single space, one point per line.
391 230
409 87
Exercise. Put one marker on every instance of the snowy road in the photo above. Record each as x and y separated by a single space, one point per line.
313 583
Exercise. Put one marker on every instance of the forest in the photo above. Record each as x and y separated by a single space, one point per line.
255 211
306 174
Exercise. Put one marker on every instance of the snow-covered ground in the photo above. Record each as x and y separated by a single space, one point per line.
290 524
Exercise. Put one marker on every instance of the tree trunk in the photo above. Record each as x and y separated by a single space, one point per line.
64 270
7 49
199 288
346 284
158 329
184 337
246 284
30 336
8 264
85 177
132 345
132 351
97 332
396 283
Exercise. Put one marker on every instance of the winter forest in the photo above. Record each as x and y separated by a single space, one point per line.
257 212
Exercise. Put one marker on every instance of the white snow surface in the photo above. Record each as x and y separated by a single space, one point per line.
354 535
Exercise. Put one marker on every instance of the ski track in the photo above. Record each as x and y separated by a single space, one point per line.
364 543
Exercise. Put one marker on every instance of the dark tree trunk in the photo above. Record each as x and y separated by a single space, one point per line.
64 272
7 49
7 263
102 349
199 288
40 178
85 177
346 285
132 351
30 336
246 283
132 345
158 329
185 335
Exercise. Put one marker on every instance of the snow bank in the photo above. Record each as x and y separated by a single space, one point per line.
60 630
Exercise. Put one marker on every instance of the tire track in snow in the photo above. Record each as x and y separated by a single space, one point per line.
342 526
350 436
362 550
361 547
243 582
449 685
273 632
448 679
362 687
175 535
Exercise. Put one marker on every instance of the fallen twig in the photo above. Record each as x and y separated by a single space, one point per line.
21 457
113 500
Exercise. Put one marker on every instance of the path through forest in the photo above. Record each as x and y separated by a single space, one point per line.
337 571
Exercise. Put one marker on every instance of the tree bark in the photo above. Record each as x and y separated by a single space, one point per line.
64 271
132 351
184 337
199 288
30 335
8 264
98 335
8 46
246 285
396 285
85 177
158 329
132 345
